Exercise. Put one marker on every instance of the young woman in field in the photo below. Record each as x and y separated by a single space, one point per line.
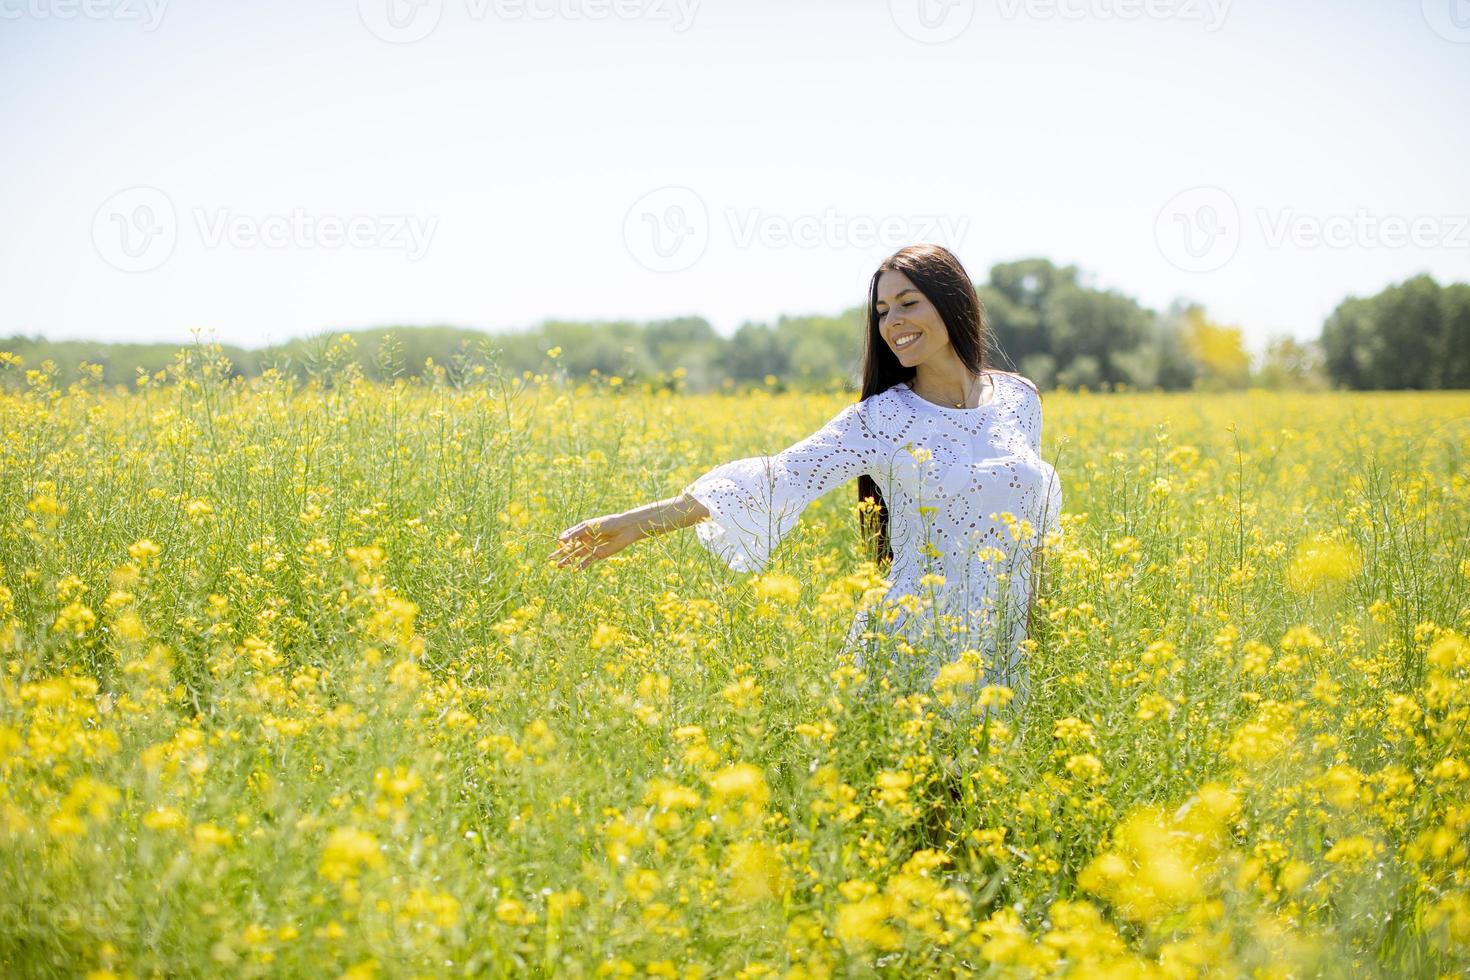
948 452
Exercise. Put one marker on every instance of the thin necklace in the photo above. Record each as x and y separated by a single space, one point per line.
961 404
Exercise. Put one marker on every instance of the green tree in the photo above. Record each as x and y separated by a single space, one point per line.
1455 303
1411 335
755 352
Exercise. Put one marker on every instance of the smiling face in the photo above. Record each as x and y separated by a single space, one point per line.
909 324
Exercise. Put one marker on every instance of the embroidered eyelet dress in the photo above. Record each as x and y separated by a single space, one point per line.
949 477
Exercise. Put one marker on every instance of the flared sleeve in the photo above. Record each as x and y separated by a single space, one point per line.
754 502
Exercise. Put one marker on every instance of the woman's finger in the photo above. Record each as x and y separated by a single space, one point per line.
564 552
582 544
569 551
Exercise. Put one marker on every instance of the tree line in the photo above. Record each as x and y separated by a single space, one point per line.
1045 322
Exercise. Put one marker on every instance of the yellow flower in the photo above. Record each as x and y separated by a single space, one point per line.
364 970
397 785
163 818
512 912
347 851
779 588
954 674
741 784
642 884
70 586
208 836
864 923
744 694
893 787
756 871
996 695
1151 706
1450 652
1149 871
143 551
1072 730
75 620
604 636
1352 851
1449 921
47 506
1086 768
1322 562
669 795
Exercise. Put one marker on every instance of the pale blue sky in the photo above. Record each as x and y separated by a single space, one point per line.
501 166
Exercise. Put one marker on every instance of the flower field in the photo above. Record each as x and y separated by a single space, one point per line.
289 688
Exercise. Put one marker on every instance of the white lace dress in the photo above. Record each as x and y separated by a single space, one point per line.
945 517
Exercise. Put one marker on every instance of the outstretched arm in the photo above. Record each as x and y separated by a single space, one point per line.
599 537
750 502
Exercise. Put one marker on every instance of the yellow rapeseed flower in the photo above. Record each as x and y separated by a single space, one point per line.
1322 562
756 871
741 786
348 850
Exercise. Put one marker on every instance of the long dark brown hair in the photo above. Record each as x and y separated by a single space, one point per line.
940 277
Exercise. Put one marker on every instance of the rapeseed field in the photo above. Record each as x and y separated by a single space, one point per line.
289 688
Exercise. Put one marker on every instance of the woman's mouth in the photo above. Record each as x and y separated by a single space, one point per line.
904 340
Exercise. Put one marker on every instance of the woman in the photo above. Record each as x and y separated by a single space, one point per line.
943 447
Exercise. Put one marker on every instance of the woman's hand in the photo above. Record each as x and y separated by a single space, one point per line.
595 538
